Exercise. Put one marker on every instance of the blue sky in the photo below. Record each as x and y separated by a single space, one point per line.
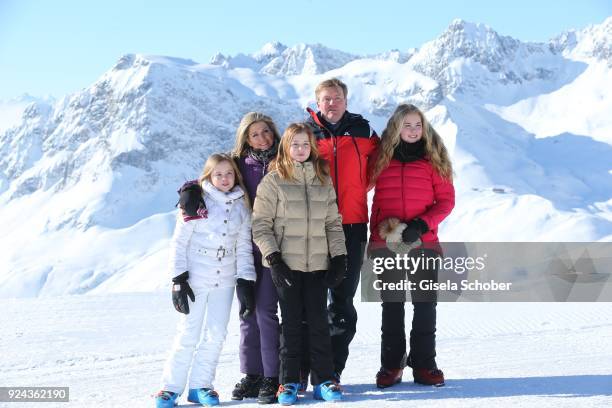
57 47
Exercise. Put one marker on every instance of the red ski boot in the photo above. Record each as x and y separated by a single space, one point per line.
387 377
427 376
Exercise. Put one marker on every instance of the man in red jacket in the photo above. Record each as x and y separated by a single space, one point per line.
347 142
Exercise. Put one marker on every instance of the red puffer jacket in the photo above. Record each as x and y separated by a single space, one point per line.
410 190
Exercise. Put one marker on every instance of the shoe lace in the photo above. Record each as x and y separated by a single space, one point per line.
244 382
333 387
433 372
268 382
165 395
436 372
282 388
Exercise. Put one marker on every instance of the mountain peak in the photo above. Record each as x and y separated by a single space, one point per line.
458 24
275 58
594 41
463 39
465 36
465 53
270 49
124 62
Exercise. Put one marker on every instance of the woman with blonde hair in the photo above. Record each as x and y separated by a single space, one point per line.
297 227
257 141
413 194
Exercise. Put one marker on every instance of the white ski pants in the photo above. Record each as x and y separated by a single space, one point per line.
196 346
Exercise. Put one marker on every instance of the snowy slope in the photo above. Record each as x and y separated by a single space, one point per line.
581 107
87 185
111 349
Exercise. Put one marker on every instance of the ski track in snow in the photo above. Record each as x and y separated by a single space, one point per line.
111 348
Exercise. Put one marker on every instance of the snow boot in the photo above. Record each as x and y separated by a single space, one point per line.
387 377
248 387
428 376
328 391
165 399
204 396
287 393
267 392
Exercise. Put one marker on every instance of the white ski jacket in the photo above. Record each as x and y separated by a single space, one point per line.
215 250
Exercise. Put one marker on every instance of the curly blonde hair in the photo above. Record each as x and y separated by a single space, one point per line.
435 150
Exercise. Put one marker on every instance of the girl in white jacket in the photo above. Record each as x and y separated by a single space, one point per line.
209 253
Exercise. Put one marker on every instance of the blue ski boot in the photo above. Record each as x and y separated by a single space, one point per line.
165 399
204 396
287 393
328 391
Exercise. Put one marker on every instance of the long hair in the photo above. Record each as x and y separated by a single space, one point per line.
212 161
434 145
242 133
283 163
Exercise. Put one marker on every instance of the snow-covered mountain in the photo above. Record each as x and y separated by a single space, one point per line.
591 43
87 184
277 59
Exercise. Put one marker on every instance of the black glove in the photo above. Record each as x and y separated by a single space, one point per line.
413 231
190 199
281 274
180 291
245 291
336 271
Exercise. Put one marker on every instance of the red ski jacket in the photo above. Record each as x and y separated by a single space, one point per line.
411 190
347 149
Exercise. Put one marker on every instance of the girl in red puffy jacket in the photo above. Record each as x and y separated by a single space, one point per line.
413 194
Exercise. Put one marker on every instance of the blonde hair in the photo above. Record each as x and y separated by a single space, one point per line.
212 162
331 83
435 150
242 133
283 163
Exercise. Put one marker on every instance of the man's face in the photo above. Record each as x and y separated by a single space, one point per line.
332 104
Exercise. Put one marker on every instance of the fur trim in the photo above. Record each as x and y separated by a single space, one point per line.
391 231
388 226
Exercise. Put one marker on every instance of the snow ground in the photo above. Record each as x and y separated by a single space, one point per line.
110 349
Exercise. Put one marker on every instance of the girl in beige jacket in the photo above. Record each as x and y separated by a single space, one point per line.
297 227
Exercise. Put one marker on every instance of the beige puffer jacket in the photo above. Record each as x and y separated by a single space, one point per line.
298 218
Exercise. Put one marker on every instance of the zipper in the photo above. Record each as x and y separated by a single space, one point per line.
358 157
337 186
307 217
403 201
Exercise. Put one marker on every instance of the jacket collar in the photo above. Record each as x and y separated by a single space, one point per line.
334 128
219 196
305 168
